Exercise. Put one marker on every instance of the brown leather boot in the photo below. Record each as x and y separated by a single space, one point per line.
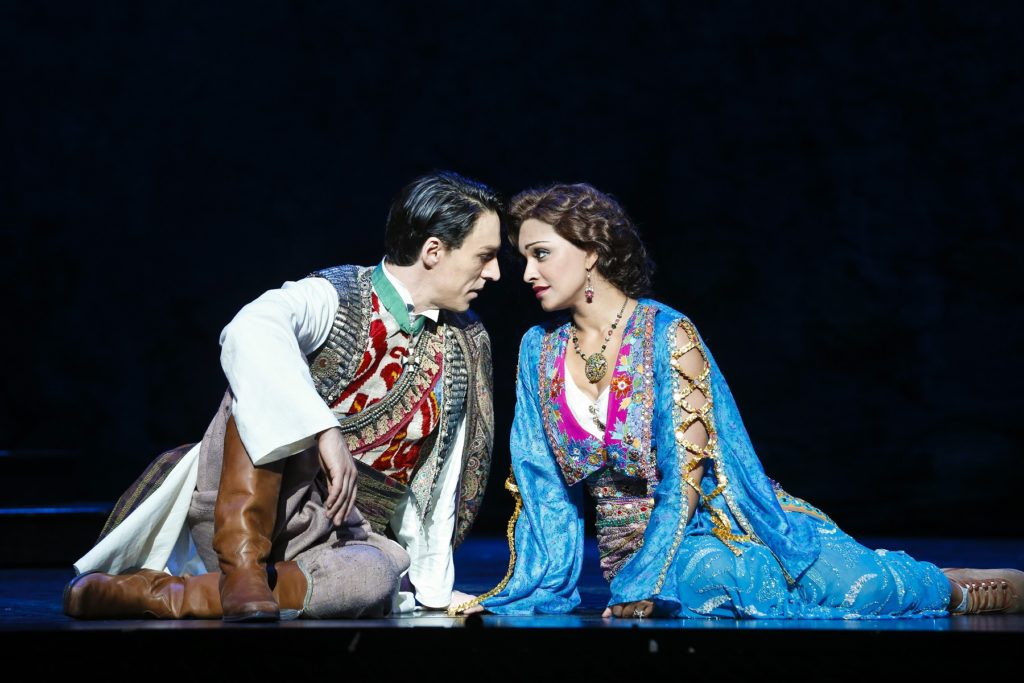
988 590
243 521
143 594
152 594
290 585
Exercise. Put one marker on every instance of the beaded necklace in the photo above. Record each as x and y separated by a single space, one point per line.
596 363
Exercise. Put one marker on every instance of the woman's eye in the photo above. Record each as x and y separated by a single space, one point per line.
540 254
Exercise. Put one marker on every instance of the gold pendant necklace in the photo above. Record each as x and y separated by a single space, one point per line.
596 364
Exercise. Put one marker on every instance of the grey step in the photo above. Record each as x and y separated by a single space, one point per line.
41 477
49 535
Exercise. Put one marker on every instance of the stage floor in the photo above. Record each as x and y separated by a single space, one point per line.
37 634
31 598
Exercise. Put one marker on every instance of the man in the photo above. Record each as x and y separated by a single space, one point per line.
359 402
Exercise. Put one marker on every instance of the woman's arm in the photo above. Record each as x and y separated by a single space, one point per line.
549 533
686 433
689 364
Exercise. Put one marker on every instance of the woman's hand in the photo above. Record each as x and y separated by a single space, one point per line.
460 598
630 610
340 470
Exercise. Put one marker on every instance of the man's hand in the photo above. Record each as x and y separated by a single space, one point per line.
630 610
340 470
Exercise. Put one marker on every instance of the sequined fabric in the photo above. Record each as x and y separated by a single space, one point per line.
623 510
626 446
750 549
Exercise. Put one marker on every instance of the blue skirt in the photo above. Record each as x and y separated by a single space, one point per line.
847 581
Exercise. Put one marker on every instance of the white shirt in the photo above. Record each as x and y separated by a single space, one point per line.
432 570
580 403
279 413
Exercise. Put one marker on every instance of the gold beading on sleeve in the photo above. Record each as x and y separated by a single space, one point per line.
721 526
690 454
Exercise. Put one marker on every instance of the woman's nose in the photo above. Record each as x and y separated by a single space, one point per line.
492 271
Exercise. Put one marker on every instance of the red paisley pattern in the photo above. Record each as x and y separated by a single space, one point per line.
378 371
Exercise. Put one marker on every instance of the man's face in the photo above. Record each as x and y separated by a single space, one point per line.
461 273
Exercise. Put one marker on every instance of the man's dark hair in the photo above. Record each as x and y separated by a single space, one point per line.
443 205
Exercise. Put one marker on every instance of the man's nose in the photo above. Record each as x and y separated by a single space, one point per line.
492 271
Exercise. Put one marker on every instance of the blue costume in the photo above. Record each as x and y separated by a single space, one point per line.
750 549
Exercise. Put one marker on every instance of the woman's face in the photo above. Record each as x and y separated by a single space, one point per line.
556 268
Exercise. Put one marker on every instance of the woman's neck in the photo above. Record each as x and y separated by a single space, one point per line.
597 316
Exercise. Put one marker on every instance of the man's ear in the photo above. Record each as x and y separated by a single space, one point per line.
431 251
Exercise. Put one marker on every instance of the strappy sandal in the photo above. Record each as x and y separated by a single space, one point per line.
988 591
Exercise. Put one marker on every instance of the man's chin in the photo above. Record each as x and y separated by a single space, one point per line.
469 301
461 307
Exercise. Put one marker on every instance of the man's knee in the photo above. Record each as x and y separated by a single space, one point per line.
350 581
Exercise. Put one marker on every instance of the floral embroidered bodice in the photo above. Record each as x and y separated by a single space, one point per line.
627 446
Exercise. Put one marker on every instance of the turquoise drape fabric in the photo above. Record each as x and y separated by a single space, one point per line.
794 565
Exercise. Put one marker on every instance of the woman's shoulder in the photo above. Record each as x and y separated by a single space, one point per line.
536 334
671 327
664 314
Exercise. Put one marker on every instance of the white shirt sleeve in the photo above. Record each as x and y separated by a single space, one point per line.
263 353
432 568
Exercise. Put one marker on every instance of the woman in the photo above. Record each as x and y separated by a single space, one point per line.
626 400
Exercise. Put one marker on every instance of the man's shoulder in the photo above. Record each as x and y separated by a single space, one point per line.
342 273
347 280
462 319
467 322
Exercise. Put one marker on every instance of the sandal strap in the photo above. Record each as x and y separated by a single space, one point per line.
984 596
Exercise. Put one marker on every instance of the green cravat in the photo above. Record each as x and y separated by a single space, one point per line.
394 302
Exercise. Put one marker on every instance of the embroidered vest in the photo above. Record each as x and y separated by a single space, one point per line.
391 459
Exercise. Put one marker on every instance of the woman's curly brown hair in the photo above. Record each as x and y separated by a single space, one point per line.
593 221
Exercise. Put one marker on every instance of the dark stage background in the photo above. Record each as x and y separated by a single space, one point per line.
832 192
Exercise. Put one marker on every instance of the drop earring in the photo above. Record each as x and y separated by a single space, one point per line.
589 291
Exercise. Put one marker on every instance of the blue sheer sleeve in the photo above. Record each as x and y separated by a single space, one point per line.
549 532
750 511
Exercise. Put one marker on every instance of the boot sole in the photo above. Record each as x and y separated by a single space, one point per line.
255 617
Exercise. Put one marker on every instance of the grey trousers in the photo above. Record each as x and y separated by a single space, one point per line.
351 571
